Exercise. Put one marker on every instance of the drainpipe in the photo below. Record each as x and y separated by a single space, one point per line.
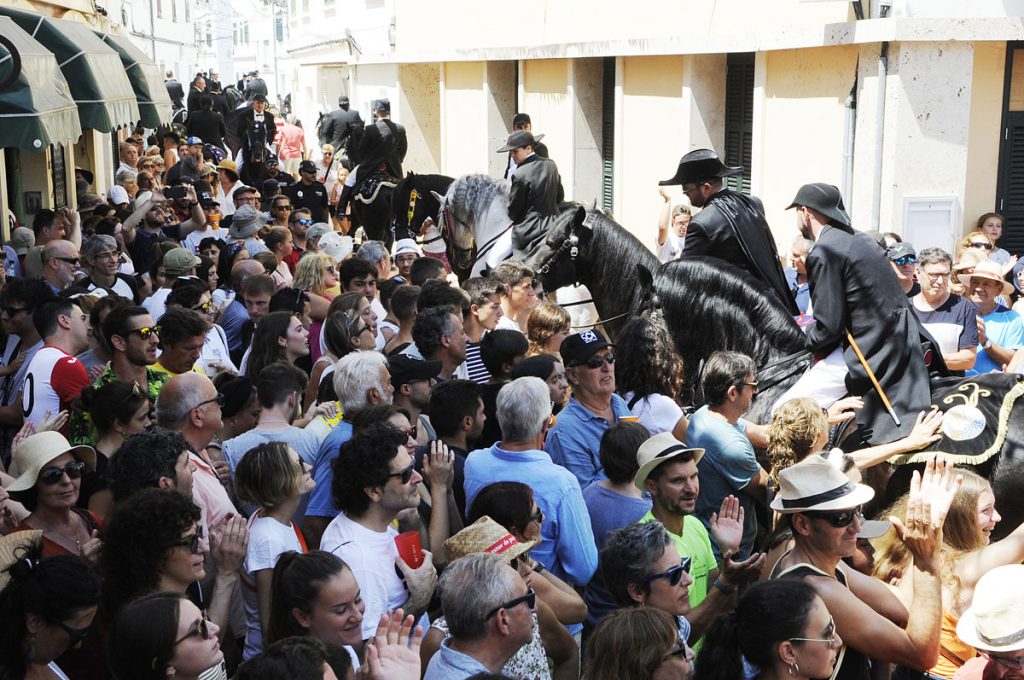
883 71
152 31
849 135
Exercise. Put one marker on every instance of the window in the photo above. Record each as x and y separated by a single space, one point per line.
209 35
234 33
278 27
245 32
188 11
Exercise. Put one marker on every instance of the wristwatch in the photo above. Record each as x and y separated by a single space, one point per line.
988 343
727 590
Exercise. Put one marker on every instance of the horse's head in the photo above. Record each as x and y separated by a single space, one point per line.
458 235
474 208
555 260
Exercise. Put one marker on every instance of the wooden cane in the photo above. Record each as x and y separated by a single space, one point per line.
874 380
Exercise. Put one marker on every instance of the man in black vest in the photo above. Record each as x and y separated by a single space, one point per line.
731 226
535 194
339 126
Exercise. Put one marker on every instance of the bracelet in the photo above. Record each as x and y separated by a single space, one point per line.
726 590
538 568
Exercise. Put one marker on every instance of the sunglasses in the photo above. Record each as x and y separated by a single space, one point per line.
305 222
202 630
839 518
70 260
595 361
219 400
904 260
192 543
11 311
982 244
830 635
673 575
282 207
411 433
679 652
205 307
75 635
53 475
146 331
537 517
530 599
405 475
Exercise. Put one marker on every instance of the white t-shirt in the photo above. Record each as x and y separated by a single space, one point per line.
156 304
215 351
54 380
268 538
507 324
192 241
671 248
371 555
657 412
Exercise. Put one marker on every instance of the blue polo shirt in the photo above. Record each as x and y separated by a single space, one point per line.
1004 327
449 664
567 545
321 503
575 439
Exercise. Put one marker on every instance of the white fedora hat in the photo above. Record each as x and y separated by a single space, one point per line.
995 620
35 452
657 450
816 484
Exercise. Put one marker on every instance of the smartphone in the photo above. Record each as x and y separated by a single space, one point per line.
176 192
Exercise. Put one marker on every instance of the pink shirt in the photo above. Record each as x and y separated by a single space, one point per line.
289 142
209 494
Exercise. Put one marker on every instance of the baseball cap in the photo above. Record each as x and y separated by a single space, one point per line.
899 250
193 140
179 261
579 347
22 240
405 369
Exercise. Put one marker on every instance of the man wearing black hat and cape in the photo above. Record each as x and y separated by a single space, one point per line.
535 194
731 226
853 289
382 146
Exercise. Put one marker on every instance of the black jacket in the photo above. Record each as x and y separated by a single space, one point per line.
252 133
207 126
193 99
853 288
533 202
338 126
732 227
254 87
220 104
175 92
385 143
541 149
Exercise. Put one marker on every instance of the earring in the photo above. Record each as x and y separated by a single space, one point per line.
794 669
31 652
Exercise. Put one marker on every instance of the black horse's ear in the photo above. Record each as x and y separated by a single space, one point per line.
648 299
579 219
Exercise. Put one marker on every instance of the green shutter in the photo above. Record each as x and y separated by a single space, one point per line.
608 134
739 118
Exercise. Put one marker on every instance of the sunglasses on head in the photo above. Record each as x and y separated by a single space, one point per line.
405 475
905 260
982 244
596 361
673 575
147 331
53 475
837 518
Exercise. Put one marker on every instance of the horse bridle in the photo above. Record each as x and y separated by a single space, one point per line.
447 230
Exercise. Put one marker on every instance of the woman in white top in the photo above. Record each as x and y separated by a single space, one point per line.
273 478
649 376
279 242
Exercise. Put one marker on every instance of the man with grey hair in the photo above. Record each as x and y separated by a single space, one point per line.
489 611
952 320
376 253
60 262
728 466
796 272
128 180
567 544
101 261
360 379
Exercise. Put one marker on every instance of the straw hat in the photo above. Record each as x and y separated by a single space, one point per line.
995 620
487 536
38 450
816 484
986 269
658 449
13 547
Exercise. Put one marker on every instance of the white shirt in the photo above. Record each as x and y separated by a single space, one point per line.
215 351
671 248
657 412
156 304
227 201
268 538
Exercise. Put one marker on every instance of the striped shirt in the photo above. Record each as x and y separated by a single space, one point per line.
478 373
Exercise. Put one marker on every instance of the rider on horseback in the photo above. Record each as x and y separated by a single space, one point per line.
382 148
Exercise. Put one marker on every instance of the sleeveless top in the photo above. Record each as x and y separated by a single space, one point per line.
850 664
953 652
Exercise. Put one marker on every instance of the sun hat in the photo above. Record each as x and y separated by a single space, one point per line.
995 620
701 164
404 246
519 139
659 449
228 166
35 452
816 484
487 536
825 199
22 240
318 230
969 259
334 245
986 269
246 221
13 547
179 262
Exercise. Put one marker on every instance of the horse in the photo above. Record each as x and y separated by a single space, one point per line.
371 206
708 306
474 217
413 200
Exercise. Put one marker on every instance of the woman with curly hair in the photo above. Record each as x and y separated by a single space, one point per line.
649 376
969 553
546 327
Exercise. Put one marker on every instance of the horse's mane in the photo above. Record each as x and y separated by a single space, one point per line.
424 184
719 309
471 196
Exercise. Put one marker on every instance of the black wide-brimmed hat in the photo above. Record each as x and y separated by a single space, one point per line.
701 164
825 199
519 139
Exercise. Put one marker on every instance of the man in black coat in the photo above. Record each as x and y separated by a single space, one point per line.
195 93
339 125
256 86
853 289
521 121
206 123
174 90
535 194
256 130
731 226
382 147
220 102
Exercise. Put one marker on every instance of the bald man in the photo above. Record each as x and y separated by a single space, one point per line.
60 263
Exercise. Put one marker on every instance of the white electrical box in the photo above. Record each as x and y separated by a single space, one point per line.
932 221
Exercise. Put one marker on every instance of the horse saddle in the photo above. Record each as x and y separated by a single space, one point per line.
976 417
372 185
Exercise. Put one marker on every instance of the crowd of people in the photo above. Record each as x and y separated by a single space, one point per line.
237 443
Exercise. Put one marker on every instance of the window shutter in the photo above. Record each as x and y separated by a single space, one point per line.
608 134
739 118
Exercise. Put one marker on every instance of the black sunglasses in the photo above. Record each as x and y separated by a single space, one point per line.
282 207
978 244
405 475
202 629
53 475
596 361
673 575
205 307
219 400
192 543
905 260
146 331
11 311
537 517
75 635
839 518
530 599
70 260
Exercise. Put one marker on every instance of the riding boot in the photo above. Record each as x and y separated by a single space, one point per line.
343 200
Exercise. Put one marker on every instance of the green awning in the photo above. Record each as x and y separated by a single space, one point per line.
36 108
144 74
94 71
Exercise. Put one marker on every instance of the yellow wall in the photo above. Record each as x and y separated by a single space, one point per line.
804 94
984 131
421 115
463 142
648 144
544 88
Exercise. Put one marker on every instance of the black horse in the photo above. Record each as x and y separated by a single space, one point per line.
710 306
413 201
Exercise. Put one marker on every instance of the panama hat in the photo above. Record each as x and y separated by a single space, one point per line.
699 165
995 620
35 452
659 449
816 484
985 269
487 536
14 547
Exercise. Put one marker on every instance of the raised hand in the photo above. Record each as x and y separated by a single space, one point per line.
727 525
229 541
737 573
439 466
394 651
930 497
90 550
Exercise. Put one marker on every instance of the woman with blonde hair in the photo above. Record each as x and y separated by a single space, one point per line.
316 273
968 554
546 327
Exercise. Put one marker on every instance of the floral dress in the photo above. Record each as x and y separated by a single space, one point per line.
529 663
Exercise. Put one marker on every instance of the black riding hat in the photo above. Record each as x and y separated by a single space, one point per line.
701 164
825 199
519 139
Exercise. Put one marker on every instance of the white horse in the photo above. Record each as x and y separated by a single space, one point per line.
474 213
